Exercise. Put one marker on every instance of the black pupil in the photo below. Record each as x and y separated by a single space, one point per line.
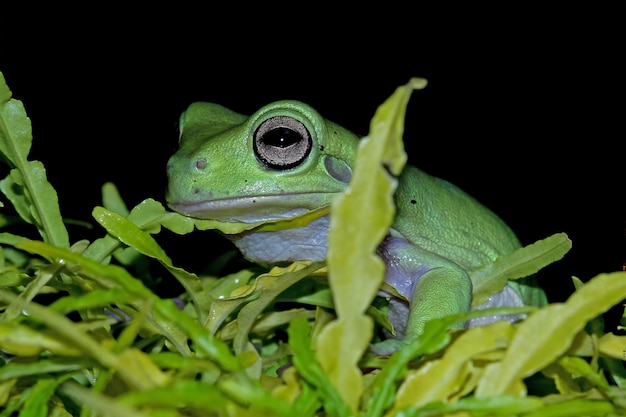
281 137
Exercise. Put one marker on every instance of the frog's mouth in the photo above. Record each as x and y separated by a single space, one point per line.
253 209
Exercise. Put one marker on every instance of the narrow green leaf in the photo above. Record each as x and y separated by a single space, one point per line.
206 343
21 340
192 364
98 403
451 371
92 299
70 332
182 393
356 273
44 275
148 215
264 226
43 366
582 368
306 362
15 127
113 273
36 200
576 408
266 323
549 332
132 235
259 400
10 239
112 200
501 406
166 309
523 262
18 198
269 286
434 338
36 405
307 402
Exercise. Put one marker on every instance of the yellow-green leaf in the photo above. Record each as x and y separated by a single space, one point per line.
355 271
269 286
350 335
523 262
27 187
452 370
547 333
132 235
146 374
21 340
112 200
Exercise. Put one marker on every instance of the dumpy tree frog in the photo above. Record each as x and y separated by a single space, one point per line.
285 160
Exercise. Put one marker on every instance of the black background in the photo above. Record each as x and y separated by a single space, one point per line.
524 107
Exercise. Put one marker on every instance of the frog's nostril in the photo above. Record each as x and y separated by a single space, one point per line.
201 164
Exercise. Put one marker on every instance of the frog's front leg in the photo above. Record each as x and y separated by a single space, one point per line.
435 287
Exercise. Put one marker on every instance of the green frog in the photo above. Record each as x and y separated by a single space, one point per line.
286 160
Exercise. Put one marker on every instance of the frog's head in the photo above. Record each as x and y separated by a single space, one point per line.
280 162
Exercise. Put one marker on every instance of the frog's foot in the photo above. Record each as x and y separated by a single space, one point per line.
387 347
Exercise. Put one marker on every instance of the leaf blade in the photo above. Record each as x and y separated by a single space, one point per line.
36 199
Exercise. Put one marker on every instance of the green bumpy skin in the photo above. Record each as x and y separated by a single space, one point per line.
285 160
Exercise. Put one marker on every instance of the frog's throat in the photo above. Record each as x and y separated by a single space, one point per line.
253 209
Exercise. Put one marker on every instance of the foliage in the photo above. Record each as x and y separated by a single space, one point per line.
81 335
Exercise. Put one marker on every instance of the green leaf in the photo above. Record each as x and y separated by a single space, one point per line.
355 271
98 403
167 315
267 322
263 226
434 338
307 364
125 364
452 370
44 275
90 300
191 393
548 332
21 340
132 235
112 200
15 128
501 406
575 408
36 405
581 368
521 263
191 364
268 286
27 188
45 366
259 400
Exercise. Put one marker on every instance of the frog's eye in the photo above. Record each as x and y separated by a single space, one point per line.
282 142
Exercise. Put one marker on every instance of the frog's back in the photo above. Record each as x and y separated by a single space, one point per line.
441 218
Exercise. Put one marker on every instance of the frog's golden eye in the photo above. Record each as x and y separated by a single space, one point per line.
282 142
